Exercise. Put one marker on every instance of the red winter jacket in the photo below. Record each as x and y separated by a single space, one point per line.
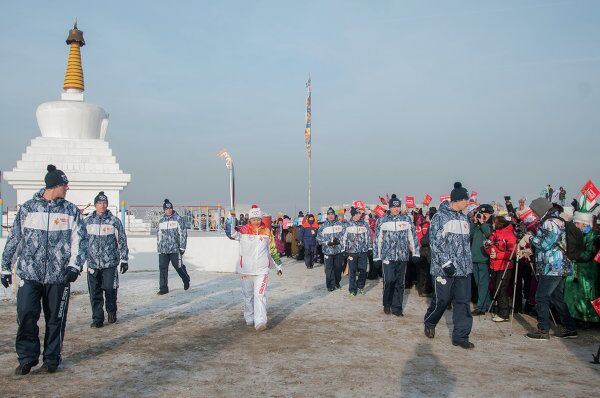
503 241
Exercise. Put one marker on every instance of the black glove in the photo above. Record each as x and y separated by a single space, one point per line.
181 251
449 269
70 274
336 241
124 267
6 280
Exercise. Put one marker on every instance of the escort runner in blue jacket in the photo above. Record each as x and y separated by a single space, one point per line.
48 243
395 241
357 243
330 238
171 241
451 267
107 247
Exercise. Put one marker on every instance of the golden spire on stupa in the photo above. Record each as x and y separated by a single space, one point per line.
74 73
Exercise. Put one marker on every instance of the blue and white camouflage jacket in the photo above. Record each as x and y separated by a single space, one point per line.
107 242
172 234
550 243
450 241
327 231
357 237
46 237
395 238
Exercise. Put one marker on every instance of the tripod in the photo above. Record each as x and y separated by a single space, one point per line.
512 307
502 280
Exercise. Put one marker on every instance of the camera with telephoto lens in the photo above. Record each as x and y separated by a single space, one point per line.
520 230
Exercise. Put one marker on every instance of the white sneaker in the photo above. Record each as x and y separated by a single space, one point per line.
497 318
261 327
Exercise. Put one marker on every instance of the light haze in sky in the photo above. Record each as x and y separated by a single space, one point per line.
408 96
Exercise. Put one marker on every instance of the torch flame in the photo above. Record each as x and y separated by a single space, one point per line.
225 155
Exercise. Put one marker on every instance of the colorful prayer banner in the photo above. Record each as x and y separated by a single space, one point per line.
307 129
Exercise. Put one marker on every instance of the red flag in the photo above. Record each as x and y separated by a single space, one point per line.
383 201
596 305
528 217
359 204
380 211
427 200
444 198
410 201
592 191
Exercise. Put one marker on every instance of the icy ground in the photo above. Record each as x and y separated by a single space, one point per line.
196 344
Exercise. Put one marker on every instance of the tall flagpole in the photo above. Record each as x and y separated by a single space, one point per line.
308 137
309 181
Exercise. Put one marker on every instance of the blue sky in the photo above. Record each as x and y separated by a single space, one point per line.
408 96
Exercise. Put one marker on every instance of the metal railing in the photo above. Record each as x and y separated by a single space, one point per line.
197 217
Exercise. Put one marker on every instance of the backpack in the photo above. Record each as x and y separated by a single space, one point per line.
574 239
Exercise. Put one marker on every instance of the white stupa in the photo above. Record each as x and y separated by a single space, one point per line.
73 139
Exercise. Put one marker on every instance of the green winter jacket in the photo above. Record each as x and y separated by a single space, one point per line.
479 233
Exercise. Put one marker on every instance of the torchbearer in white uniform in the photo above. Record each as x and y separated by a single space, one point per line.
257 254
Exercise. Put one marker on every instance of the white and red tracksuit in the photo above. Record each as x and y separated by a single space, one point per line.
257 253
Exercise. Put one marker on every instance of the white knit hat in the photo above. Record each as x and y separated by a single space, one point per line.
254 212
583 218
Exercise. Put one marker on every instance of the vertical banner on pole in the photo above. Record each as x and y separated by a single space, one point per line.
308 135
1 214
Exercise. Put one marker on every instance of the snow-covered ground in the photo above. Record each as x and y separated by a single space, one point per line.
195 343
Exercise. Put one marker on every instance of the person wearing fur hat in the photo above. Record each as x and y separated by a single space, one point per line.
357 242
107 247
451 267
257 255
552 267
48 245
329 237
171 242
395 241
580 288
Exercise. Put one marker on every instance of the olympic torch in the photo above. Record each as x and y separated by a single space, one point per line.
229 164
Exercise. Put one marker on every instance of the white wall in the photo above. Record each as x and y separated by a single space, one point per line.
218 254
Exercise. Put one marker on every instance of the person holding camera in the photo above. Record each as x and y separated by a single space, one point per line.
500 247
481 229
329 237
451 267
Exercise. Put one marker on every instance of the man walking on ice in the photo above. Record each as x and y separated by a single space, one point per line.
257 252
171 241
395 241
451 267
48 243
107 247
